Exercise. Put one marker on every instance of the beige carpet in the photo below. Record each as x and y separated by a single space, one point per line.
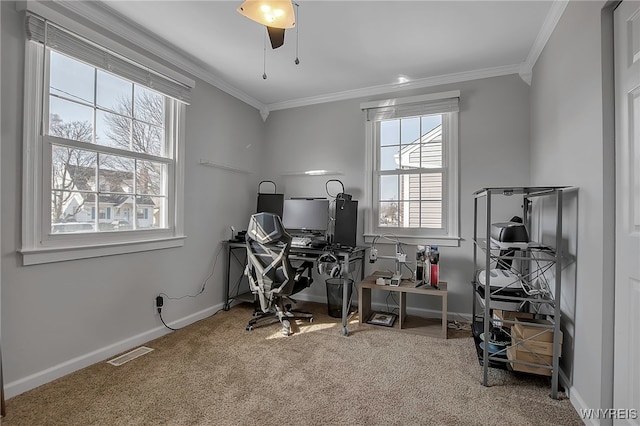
216 373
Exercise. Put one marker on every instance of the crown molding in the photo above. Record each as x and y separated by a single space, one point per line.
387 88
104 17
548 26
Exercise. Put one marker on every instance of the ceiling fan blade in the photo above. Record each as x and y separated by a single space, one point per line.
276 35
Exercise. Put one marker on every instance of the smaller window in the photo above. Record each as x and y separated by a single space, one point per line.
413 187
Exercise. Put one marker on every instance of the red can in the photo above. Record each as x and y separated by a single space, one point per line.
434 274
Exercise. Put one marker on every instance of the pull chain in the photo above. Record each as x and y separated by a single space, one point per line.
264 57
297 61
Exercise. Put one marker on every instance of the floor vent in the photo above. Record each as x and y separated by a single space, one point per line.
142 350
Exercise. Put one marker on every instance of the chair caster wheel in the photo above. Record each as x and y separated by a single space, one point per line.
311 319
249 328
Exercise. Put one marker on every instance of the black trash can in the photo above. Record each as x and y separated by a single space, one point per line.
334 295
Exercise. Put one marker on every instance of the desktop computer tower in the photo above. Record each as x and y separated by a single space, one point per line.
346 222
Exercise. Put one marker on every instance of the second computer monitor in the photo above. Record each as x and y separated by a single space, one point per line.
306 214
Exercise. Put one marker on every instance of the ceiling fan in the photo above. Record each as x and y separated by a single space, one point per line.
276 15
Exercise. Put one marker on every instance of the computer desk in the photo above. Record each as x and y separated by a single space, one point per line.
347 256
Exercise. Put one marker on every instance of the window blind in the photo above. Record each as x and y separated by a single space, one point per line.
412 109
57 38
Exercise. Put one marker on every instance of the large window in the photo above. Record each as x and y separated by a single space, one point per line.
412 163
103 142
108 150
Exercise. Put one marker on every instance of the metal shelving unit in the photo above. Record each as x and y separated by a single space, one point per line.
530 292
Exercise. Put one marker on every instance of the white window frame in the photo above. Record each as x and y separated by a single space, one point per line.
450 235
39 245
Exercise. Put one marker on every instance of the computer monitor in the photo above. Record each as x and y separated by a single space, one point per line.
270 203
306 214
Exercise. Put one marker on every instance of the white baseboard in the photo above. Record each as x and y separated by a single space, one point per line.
311 298
579 404
427 313
40 378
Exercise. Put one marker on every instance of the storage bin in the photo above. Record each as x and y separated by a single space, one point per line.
513 353
534 339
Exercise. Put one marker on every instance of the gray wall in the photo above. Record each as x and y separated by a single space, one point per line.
570 146
494 151
62 316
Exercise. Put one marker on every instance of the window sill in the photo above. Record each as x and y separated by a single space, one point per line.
442 241
38 256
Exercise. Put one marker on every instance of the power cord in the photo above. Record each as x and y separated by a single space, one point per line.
159 303
326 187
161 296
410 270
461 324
457 325
333 203
391 295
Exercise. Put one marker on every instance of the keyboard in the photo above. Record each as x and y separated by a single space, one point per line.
300 241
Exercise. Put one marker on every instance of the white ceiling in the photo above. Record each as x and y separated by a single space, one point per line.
346 48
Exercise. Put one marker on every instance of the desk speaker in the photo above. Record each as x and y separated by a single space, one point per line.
346 222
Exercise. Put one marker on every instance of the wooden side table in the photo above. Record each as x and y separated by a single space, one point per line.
435 327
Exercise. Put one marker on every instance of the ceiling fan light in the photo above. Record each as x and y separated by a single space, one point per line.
271 13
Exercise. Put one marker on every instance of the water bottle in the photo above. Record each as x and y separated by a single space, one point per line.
434 271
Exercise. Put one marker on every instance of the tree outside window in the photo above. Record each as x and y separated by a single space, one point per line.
116 170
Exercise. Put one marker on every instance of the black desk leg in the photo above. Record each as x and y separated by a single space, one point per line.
345 294
226 282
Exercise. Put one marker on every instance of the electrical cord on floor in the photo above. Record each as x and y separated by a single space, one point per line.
462 324
457 325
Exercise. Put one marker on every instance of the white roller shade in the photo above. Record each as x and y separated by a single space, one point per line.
412 109
59 39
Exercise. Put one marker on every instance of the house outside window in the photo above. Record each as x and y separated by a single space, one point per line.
412 164
103 136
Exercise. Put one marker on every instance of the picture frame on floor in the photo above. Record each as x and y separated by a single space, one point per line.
382 318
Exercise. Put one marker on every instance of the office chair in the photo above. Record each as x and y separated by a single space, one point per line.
271 276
